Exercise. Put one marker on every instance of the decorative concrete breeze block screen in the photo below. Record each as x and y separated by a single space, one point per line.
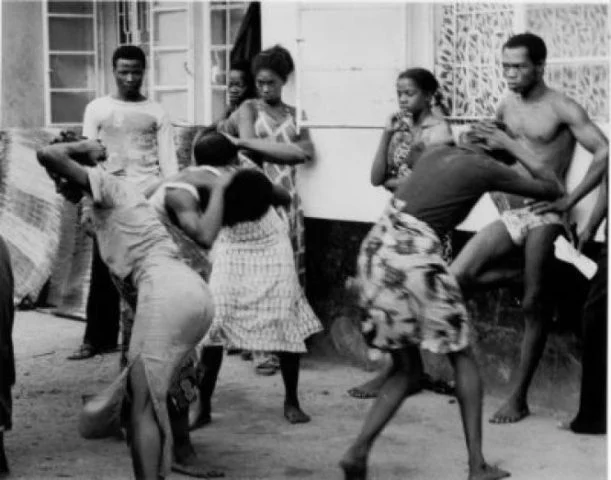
471 36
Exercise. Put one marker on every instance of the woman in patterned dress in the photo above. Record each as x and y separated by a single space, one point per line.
259 304
415 126
267 128
408 296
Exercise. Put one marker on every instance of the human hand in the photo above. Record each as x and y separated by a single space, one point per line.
490 133
235 141
391 184
90 152
391 123
560 206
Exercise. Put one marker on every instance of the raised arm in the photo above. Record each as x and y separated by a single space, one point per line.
496 138
66 160
508 180
203 227
293 153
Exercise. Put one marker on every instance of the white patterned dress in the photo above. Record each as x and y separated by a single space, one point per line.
259 304
284 130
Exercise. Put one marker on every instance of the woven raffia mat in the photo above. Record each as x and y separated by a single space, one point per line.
71 275
183 139
30 209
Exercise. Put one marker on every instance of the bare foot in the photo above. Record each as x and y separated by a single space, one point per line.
488 472
195 471
354 465
510 412
369 389
294 414
187 463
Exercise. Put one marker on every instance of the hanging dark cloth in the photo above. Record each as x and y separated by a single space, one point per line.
248 40
7 357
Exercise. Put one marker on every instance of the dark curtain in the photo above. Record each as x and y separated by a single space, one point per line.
248 40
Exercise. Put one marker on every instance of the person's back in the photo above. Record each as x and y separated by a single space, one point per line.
445 184
126 225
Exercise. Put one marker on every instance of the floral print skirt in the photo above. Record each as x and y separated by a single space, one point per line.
405 291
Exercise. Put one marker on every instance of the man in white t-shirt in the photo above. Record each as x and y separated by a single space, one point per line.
138 135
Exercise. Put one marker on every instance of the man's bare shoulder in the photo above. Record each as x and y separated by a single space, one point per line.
567 109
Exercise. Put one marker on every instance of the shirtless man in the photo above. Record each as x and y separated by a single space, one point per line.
549 124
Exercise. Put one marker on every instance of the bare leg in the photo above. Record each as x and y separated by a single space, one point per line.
469 394
371 388
186 460
211 361
472 267
404 379
289 368
4 470
145 433
537 317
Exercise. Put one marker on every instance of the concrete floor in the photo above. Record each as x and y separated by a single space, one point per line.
249 439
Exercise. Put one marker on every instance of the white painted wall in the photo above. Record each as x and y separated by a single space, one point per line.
346 69
347 63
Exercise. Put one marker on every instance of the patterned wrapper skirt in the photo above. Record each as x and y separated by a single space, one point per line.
259 303
406 294
174 311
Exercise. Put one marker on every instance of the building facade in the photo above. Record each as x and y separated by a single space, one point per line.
56 57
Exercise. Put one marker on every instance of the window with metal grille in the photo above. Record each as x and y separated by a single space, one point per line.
470 39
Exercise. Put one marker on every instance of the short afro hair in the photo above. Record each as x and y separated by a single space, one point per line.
214 149
129 52
277 59
248 197
534 44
